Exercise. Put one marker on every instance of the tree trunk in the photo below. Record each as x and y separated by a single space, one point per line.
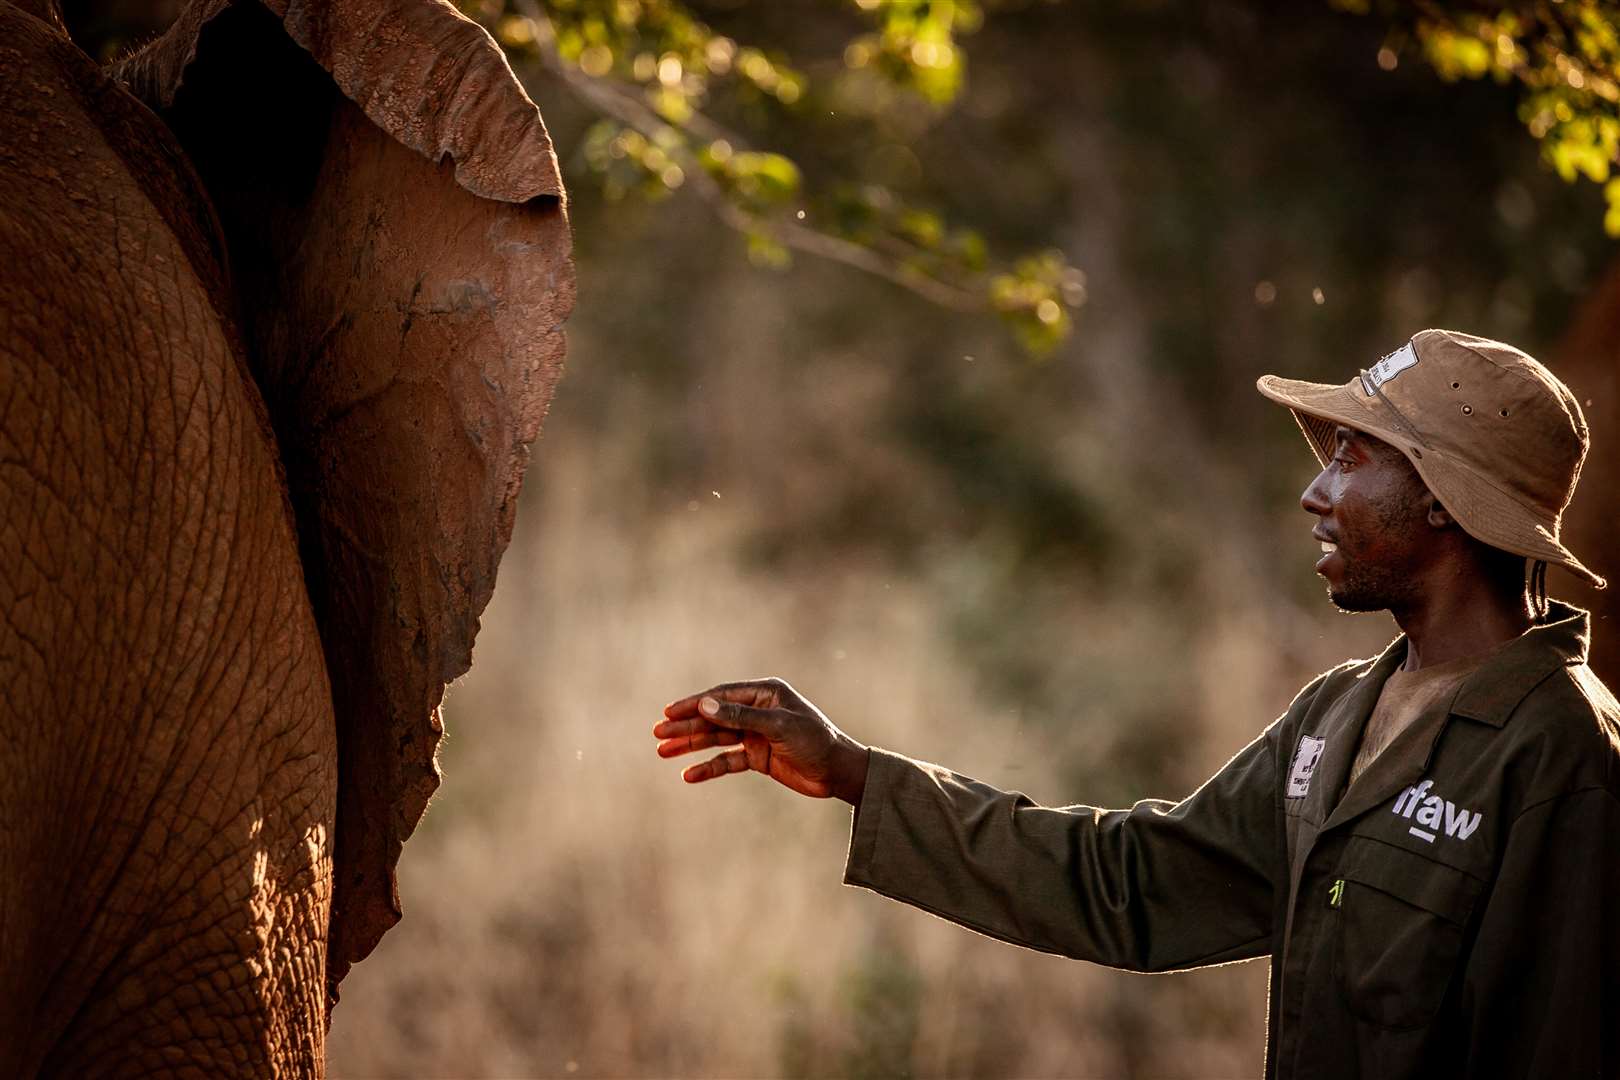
1588 359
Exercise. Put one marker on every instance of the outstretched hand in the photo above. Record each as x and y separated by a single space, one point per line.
774 730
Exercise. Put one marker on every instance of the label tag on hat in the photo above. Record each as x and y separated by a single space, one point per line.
1389 367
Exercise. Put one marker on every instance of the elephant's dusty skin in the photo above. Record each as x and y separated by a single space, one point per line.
168 748
403 315
271 359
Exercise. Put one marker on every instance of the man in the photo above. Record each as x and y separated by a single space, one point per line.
1426 844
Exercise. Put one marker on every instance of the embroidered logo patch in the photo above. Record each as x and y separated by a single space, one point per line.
1389 367
1305 759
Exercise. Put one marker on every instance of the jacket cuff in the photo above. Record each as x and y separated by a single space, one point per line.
885 772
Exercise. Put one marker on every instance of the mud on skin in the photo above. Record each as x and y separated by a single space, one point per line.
245 555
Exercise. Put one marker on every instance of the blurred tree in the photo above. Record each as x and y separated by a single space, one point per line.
660 77
1565 55
676 99
682 105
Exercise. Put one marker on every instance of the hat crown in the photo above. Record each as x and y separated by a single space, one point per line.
1495 408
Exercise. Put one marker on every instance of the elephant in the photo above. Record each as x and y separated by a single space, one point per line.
283 309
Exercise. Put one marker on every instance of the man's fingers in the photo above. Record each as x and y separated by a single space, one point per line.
701 740
685 707
742 717
759 693
710 710
683 736
732 761
674 729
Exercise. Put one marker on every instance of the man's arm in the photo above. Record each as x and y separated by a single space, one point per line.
1153 888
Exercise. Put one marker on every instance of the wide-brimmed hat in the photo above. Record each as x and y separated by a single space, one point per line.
1496 437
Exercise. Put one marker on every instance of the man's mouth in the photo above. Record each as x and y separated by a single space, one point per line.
1328 550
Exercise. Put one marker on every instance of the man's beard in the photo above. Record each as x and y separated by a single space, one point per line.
1370 588
1353 602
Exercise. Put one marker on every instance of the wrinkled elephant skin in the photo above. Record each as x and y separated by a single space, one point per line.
269 370
170 802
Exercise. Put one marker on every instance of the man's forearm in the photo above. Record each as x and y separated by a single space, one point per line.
1126 888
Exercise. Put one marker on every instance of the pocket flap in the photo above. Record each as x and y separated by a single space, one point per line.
1406 875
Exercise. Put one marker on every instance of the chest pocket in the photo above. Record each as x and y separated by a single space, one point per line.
1402 918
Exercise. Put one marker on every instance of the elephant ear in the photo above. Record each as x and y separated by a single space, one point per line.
395 224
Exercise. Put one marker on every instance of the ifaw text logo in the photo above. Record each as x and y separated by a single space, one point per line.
1434 814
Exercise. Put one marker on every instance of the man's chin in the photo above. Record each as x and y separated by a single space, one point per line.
1353 603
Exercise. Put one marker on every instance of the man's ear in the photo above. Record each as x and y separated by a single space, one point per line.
1439 516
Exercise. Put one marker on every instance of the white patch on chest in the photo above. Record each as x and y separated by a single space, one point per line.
1305 759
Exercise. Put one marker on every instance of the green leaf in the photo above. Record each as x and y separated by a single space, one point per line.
768 178
922 228
766 251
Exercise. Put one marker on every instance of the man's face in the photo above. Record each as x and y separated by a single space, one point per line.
1373 510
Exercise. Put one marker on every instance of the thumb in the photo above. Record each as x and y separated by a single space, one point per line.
732 715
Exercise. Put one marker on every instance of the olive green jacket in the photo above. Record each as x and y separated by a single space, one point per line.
1456 913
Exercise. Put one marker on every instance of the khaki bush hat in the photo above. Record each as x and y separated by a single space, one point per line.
1496 437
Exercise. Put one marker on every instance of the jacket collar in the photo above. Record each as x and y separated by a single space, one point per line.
1341 727
1489 695
1492 693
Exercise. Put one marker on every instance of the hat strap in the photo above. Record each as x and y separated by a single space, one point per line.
1538 589
1405 425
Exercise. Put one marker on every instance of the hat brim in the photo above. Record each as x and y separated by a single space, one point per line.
1484 510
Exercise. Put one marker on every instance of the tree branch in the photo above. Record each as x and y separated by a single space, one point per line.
628 109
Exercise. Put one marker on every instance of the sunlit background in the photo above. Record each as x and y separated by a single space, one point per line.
1076 567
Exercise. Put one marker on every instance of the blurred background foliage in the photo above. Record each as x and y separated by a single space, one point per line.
677 97
683 105
1085 575
1564 55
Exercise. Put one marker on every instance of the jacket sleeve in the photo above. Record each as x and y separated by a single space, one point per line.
1157 887
1543 981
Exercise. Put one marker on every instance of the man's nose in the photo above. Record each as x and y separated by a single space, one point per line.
1314 499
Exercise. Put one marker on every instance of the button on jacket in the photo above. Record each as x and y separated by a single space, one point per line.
1455 912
